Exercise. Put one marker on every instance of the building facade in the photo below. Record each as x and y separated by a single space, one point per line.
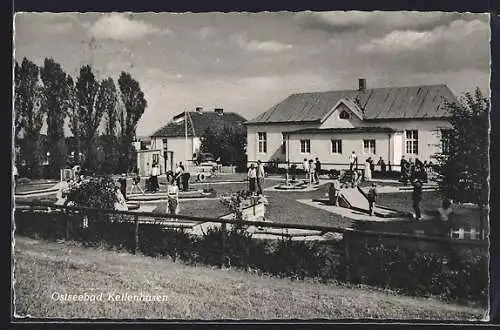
180 139
386 123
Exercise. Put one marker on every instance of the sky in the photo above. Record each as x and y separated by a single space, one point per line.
247 62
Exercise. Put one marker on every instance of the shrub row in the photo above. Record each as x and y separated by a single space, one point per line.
449 276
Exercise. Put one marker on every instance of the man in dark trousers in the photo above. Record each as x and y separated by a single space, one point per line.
404 169
123 185
372 197
318 170
417 198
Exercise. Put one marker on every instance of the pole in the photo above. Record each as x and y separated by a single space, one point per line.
136 234
288 158
185 140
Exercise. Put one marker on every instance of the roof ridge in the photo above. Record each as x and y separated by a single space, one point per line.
376 88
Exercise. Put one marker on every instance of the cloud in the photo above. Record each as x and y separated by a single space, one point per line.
118 27
376 21
206 32
268 46
409 40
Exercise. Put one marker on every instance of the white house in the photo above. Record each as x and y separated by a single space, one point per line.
180 139
380 122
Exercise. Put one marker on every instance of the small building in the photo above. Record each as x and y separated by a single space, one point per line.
386 123
180 139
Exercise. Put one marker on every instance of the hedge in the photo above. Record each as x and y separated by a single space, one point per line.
450 276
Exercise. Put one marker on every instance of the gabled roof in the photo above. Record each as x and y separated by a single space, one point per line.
197 123
351 105
416 102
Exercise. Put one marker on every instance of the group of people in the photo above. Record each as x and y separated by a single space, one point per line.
411 170
312 170
256 175
179 176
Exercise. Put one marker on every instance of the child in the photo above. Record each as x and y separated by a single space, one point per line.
372 197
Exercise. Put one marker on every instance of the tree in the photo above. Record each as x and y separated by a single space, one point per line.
89 113
228 144
463 164
30 108
56 94
107 98
72 110
134 105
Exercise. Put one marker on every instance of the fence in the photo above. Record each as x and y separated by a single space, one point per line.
370 257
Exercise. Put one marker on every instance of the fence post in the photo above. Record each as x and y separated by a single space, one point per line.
66 215
347 255
136 233
223 243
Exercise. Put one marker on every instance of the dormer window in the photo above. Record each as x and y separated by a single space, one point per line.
344 115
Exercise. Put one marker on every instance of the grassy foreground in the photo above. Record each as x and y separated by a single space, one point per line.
45 270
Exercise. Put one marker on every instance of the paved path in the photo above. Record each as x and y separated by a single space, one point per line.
308 188
345 212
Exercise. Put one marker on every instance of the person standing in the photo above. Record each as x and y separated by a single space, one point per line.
381 163
317 170
372 197
305 167
312 170
404 170
123 185
178 175
417 198
368 169
353 161
445 213
155 171
260 177
334 192
252 178
172 196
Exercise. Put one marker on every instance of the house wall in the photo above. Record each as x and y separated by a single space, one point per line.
176 146
321 148
274 140
428 137
387 146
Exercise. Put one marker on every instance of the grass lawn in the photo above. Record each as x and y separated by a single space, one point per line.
196 208
43 268
431 201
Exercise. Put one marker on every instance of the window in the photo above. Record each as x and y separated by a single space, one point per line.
305 146
369 146
156 158
411 142
336 146
445 140
344 115
262 141
164 144
283 143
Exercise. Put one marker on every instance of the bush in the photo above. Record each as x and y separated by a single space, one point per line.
96 192
451 277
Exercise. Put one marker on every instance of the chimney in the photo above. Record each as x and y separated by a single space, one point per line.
199 109
219 111
361 84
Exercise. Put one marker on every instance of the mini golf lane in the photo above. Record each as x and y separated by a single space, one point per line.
347 212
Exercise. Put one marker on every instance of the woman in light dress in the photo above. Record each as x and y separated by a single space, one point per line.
121 204
368 170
